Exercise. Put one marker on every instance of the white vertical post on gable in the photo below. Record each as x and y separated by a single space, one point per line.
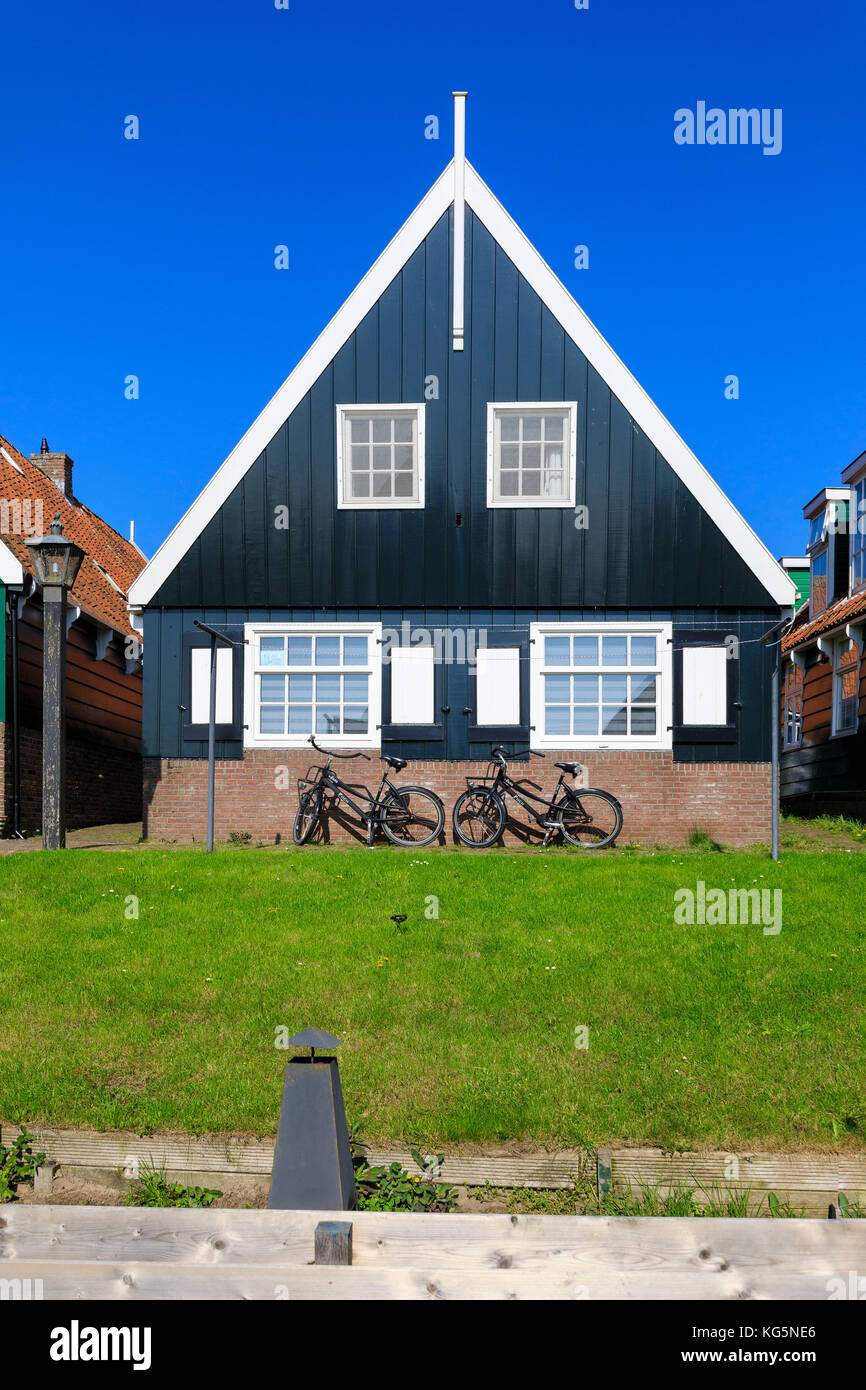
459 216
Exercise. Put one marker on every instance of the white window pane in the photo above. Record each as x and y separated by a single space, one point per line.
553 426
509 483
200 685
556 651
381 456
585 651
531 457
381 429
614 688
557 689
300 719
272 719
614 720
509 455
328 688
509 427
359 429
643 651
360 484
412 685
531 426
497 685
327 651
553 484
272 651
585 688
403 456
531 484
614 651
382 485
300 651
300 688
404 429
585 719
354 651
404 485
556 720
643 689
360 457
327 719
273 688
355 688
705 693
355 719
643 720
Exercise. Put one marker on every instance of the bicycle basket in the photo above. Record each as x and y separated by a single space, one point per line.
488 780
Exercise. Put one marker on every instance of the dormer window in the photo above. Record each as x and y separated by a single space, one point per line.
858 535
380 456
818 586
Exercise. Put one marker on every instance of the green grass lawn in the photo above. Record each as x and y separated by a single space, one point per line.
456 1029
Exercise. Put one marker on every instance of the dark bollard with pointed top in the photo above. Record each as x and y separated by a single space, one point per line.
312 1160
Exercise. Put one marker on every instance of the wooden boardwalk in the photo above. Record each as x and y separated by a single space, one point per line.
127 1253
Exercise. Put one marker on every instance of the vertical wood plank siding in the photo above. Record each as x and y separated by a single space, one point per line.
648 542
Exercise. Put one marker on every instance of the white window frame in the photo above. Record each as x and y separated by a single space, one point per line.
857 525
840 647
792 718
533 408
374 504
663 737
253 631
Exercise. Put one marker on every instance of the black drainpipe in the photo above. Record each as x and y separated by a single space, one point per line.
16 760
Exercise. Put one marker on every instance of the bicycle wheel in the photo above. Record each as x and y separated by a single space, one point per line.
479 817
308 814
589 819
413 816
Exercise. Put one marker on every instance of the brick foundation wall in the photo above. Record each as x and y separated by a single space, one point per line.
662 801
103 783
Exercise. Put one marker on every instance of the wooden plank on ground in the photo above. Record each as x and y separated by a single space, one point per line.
130 1282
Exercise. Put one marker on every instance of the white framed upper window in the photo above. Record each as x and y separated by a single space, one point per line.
846 686
792 713
313 678
601 685
532 454
380 456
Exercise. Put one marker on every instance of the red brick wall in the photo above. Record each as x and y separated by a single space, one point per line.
103 783
662 801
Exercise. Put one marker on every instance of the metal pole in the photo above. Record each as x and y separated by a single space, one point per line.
16 719
775 748
211 742
53 717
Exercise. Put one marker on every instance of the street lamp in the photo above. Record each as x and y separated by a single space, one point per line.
55 559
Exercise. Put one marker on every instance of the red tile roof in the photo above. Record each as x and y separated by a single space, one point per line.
107 556
840 612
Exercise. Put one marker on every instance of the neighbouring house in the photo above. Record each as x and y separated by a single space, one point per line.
824 674
460 521
103 655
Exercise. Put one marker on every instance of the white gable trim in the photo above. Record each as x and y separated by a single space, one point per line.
563 307
294 388
11 571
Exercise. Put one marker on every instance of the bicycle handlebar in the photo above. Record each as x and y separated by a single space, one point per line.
329 753
499 755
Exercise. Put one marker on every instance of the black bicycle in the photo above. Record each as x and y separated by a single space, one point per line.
409 816
585 817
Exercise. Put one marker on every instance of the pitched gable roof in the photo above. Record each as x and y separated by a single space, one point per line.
563 307
110 562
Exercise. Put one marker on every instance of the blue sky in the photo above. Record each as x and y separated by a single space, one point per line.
306 127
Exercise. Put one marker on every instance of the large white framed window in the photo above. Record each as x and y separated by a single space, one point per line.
531 454
601 685
846 685
380 456
313 678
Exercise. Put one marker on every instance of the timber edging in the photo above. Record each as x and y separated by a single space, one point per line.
806 1180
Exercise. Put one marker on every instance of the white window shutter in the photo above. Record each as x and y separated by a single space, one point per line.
413 685
497 674
200 685
705 697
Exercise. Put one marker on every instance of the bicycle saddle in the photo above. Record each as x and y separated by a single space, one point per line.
573 768
396 763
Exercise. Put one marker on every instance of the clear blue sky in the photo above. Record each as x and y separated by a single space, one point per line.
306 127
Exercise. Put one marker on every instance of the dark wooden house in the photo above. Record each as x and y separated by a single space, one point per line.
824 675
461 521
103 660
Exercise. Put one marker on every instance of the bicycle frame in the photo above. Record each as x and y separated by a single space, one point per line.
327 779
505 785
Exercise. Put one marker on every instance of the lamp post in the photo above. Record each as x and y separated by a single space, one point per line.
55 559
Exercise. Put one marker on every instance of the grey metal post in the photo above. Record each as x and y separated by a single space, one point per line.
775 748
54 716
211 742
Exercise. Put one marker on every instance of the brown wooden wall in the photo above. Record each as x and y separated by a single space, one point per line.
824 764
102 701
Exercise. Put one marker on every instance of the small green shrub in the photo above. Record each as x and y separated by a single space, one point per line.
18 1163
240 837
152 1189
394 1188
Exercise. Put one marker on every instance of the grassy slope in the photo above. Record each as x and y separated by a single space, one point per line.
453 1031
